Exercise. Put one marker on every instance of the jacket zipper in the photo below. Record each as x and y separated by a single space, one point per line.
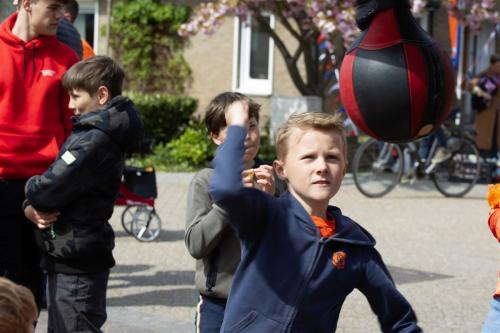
301 297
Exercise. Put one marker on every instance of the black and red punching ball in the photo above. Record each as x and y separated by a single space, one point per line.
396 83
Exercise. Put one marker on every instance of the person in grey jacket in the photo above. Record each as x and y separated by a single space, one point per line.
209 237
73 200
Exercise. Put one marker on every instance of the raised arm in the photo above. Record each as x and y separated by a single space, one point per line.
245 206
393 311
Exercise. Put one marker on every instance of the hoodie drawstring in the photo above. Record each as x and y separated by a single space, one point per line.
33 65
24 61
33 61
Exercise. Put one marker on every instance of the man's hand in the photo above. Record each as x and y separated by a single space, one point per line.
40 219
261 178
237 114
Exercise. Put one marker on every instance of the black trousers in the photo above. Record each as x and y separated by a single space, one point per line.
77 303
19 254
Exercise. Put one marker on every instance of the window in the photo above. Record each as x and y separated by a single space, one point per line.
86 22
253 57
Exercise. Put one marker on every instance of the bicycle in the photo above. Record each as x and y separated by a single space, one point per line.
379 166
138 192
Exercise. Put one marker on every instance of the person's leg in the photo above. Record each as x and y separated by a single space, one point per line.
425 146
80 302
19 254
492 322
209 315
55 322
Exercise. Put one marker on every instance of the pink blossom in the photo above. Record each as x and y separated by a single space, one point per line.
326 16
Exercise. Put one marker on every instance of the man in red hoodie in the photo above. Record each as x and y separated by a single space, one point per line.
34 122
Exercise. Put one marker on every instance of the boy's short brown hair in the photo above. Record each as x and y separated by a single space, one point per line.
308 120
17 307
215 115
92 73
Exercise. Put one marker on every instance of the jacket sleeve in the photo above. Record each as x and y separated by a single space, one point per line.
246 207
393 311
65 179
205 222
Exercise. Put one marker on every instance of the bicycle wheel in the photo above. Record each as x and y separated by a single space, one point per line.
456 176
142 222
146 225
128 218
377 167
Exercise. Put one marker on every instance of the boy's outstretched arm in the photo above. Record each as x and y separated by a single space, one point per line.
244 205
394 313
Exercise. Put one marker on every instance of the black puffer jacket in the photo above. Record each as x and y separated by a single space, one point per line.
82 184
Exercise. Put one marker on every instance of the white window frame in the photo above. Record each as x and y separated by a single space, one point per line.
89 7
242 82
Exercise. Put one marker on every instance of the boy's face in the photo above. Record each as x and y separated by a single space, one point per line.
252 140
82 102
314 167
44 15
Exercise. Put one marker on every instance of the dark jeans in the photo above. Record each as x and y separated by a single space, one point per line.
209 315
19 254
77 303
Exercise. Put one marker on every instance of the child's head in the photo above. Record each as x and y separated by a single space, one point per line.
311 151
215 121
91 83
18 311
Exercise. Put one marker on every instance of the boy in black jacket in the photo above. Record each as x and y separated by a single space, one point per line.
73 200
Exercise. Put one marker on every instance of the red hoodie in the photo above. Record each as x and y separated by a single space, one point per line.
34 115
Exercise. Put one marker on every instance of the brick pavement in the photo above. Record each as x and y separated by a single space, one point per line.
438 249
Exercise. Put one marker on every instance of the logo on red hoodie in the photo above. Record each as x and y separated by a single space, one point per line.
48 72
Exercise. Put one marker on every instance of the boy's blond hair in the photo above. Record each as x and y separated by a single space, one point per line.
17 307
308 120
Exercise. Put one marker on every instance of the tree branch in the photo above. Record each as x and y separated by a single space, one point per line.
291 62
310 48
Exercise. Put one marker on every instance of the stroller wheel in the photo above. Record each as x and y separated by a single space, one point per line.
142 222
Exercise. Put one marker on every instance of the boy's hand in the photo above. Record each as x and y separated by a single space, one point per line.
40 219
261 178
237 114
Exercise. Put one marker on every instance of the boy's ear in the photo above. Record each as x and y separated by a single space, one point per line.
103 95
215 138
25 4
280 170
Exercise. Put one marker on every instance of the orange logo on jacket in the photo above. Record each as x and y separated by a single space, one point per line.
338 259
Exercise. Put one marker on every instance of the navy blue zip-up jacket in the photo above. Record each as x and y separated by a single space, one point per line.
290 279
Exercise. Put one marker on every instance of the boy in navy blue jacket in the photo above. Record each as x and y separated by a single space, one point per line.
300 257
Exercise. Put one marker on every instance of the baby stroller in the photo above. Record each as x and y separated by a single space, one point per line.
138 193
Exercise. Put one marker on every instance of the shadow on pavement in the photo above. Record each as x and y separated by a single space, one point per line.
120 269
175 297
406 275
158 279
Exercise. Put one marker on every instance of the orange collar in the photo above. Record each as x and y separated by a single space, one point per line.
326 227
